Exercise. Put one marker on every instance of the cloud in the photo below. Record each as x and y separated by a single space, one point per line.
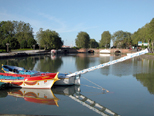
46 22
35 24
63 27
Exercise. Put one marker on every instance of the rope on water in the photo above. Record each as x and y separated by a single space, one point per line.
99 87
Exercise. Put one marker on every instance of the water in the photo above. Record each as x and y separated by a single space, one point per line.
130 86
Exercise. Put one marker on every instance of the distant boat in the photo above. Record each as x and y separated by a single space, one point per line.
103 55
105 51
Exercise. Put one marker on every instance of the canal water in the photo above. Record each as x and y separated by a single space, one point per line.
128 87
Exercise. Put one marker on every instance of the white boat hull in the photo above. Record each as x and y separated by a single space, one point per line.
74 80
43 84
105 51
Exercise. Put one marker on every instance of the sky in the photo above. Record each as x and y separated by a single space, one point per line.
69 17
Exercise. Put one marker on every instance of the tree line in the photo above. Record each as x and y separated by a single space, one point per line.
20 35
120 38
17 34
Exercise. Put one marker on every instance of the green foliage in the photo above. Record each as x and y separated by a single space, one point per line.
15 33
23 44
122 39
49 39
105 39
82 40
31 42
93 43
145 34
14 44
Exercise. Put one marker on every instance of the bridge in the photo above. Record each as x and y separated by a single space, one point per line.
112 51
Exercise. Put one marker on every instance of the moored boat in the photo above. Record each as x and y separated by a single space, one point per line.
105 51
64 79
29 81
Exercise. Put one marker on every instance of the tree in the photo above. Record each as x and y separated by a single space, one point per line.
105 39
24 32
122 39
31 42
14 31
93 43
14 44
151 32
49 39
82 40
23 44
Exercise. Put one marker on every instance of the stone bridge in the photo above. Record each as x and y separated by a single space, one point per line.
112 51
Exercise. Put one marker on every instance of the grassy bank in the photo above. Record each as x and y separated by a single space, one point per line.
150 54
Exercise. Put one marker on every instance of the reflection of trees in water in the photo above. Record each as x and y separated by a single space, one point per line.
122 68
82 62
146 74
105 70
128 67
25 62
46 64
147 80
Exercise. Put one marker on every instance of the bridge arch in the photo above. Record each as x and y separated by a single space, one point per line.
91 51
117 52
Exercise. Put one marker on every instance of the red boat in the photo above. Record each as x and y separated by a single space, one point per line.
29 81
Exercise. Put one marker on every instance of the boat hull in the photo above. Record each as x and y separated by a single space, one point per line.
43 84
45 81
64 80
74 80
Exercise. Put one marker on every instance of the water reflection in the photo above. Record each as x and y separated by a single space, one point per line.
147 80
26 62
48 97
82 61
46 64
41 96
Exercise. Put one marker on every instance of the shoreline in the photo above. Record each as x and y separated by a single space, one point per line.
43 52
149 57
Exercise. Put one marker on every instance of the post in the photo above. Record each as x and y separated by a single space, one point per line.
7 44
33 47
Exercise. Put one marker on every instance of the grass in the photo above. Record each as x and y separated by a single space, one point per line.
4 50
150 54
22 49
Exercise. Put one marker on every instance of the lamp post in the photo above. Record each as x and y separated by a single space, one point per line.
33 47
7 44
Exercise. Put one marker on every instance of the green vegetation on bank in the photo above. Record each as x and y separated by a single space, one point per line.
150 54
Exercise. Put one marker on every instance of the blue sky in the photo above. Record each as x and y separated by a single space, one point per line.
69 17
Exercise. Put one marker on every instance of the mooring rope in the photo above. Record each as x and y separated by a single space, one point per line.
99 87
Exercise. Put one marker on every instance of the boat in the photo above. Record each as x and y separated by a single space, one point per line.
105 51
64 79
29 81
